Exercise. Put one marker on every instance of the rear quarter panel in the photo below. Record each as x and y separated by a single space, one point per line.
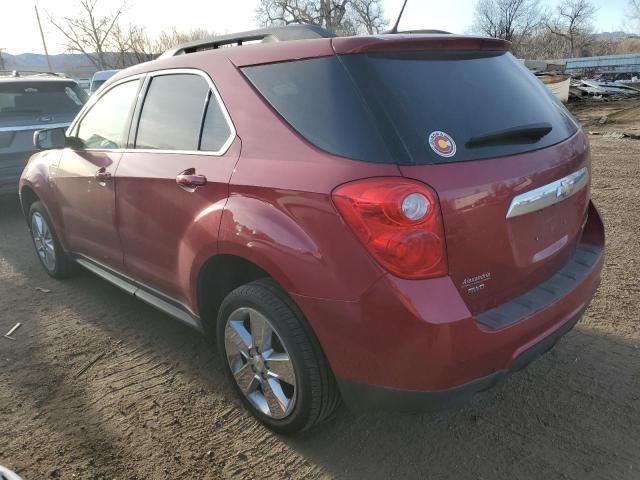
280 214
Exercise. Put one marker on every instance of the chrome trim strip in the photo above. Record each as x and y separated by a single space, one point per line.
105 275
147 294
35 127
167 308
193 71
549 194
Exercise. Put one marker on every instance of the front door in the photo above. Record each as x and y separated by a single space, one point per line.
173 184
85 177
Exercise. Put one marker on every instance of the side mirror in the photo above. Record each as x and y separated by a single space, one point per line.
49 139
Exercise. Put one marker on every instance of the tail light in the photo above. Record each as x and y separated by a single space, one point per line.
399 222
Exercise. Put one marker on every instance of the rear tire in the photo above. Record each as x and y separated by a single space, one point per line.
286 381
52 256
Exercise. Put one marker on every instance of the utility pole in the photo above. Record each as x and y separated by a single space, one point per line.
44 43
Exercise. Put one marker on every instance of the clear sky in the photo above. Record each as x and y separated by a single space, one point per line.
19 31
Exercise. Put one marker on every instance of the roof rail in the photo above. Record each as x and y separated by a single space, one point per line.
30 73
265 35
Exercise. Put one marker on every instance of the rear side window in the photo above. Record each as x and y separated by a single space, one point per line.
319 100
396 103
23 99
171 117
215 130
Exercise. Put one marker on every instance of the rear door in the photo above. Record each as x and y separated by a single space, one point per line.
26 106
84 178
173 180
483 132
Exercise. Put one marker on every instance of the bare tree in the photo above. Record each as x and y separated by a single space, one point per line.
89 32
131 45
634 14
173 37
371 15
346 17
512 20
573 21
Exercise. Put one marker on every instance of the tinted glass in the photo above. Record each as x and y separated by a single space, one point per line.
107 123
97 84
409 95
320 101
215 131
23 99
171 117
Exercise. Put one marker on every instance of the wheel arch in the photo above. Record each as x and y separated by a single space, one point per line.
28 197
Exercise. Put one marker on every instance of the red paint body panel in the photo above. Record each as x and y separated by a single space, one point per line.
88 205
168 233
385 43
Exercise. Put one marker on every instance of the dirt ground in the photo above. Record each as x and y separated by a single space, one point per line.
98 385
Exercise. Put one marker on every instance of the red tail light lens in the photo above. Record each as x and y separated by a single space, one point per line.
399 222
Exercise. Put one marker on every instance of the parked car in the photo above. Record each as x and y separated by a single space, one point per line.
399 221
30 101
99 78
84 83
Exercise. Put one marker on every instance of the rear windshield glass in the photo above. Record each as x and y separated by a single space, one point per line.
22 99
415 107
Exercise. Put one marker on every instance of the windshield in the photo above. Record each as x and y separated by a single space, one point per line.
424 107
96 84
21 99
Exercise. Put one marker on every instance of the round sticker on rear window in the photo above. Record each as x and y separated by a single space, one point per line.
442 144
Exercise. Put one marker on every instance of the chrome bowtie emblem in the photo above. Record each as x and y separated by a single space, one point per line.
563 189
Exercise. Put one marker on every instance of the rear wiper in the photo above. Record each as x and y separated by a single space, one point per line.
524 134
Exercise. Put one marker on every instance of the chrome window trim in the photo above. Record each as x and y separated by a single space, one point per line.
167 71
225 113
549 194
34 127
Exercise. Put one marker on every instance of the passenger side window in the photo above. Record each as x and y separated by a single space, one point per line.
106 124
215 130
171 117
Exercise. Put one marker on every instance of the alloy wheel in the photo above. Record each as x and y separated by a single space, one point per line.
260 363
43 240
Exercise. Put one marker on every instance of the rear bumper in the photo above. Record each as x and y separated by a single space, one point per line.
364 397
11 167
418 341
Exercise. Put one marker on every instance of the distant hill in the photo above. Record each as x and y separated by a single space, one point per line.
615 35
75 64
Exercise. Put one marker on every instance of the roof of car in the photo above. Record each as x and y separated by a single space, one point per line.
13 76
298 42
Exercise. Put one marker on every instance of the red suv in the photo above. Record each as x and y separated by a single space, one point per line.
398 220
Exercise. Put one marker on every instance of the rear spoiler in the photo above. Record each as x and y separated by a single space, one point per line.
386 43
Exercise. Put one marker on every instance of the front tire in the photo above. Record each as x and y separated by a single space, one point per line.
52 256
273 358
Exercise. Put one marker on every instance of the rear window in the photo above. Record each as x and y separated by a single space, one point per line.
394 107
21 99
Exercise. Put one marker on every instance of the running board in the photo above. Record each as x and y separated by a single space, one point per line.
149 295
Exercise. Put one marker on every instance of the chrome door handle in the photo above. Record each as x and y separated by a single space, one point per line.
103 176
190 180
